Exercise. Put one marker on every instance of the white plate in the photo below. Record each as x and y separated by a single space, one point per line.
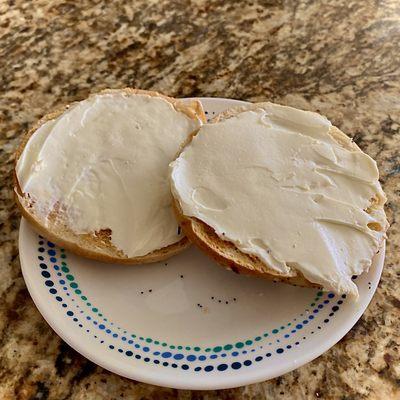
185 323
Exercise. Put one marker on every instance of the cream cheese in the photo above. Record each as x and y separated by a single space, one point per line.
273 181
105 161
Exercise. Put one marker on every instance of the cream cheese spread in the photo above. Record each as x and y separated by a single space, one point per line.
275 182
105 161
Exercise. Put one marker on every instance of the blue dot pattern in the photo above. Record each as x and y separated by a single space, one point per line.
139 352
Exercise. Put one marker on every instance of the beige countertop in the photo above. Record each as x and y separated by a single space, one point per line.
340 58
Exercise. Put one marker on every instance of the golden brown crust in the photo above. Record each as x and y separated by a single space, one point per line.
96 246
225 252
157 255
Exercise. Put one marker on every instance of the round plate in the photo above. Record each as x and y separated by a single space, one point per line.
186 322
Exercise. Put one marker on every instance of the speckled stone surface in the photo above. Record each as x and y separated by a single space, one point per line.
337 57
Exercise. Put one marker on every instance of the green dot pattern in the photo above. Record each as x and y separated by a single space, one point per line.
70 277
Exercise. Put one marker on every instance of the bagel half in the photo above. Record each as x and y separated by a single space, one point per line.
226 253
96 245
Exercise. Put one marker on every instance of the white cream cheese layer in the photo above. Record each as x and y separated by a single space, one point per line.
105 161
276 184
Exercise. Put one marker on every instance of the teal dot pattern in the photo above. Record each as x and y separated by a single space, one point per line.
238 345
62 285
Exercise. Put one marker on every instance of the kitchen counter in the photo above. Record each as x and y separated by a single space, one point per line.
340 58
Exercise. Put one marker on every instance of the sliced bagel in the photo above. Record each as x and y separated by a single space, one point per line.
226 181
93 177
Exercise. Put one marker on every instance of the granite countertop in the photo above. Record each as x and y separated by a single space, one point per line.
337 57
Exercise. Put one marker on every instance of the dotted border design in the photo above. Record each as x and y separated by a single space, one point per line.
141 348
68 278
